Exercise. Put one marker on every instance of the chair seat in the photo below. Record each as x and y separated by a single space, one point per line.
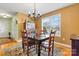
29 43
46 44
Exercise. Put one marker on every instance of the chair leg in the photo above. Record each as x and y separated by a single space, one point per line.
49 49
23 50
48 53
52 51
36 49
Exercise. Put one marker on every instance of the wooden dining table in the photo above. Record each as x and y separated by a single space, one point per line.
39 40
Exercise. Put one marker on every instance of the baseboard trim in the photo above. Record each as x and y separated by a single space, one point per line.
65 45
3 37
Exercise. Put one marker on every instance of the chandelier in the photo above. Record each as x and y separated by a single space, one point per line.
34 15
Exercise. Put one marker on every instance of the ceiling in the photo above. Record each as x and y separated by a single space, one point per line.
41 8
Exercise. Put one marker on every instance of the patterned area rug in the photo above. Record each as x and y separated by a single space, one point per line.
18 51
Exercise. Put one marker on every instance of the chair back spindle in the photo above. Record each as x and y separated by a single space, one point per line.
51 41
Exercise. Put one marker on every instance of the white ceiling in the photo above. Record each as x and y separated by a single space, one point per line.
28 7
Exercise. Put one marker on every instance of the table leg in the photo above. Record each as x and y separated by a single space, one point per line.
36 47
39 43
27 50
52 48
23 47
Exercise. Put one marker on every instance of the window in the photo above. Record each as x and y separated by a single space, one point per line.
30 26
52 22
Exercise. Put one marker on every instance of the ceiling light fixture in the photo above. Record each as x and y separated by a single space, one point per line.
34 14
4 15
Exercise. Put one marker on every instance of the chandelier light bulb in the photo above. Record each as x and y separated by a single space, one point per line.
35 14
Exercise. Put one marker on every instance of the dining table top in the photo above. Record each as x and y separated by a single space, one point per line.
40 37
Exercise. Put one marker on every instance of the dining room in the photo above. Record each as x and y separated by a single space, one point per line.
39 29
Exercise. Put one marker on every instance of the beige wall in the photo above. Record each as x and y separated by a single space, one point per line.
69 22
38 25
21 20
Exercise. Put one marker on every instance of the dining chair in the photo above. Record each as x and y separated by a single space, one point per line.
49 44
27 44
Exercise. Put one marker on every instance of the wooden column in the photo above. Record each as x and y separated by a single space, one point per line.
38 25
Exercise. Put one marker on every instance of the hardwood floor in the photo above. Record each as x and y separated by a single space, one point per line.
65 50
6 43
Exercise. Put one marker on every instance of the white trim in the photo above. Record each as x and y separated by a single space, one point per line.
63 44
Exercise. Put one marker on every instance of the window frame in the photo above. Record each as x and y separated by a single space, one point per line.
59 14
